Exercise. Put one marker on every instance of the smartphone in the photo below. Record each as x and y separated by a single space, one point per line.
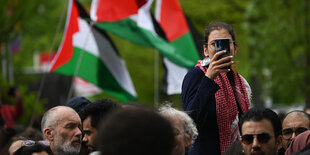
220 45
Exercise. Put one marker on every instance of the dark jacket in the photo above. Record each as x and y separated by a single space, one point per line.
198 97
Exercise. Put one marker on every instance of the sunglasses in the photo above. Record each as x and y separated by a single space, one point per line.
262 138
288 132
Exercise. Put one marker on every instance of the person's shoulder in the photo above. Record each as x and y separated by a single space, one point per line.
247 88
247 85
195 71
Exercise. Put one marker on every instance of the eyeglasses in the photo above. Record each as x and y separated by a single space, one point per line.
288 132
177 132
262 138
211 45
31 143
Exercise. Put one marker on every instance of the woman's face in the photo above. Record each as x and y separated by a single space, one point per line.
209 50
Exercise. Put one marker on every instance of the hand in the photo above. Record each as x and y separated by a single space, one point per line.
216 66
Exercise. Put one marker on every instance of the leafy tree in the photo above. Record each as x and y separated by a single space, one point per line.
278 45
15 15
29 100
273 39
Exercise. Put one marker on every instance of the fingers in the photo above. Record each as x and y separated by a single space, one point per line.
224 65
223 61
218 66
216 55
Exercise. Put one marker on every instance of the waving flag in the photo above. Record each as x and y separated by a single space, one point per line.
131 19
170 17
89 53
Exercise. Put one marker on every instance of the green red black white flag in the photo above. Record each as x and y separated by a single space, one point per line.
89 53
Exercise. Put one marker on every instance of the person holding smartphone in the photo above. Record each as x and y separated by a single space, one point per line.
214 95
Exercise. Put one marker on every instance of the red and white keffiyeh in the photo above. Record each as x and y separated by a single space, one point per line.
226 106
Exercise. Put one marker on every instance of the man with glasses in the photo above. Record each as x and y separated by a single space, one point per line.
260 131
294 123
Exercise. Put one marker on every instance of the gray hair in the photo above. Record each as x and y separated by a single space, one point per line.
189 126
49 119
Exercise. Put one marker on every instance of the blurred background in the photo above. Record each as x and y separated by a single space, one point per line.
273 39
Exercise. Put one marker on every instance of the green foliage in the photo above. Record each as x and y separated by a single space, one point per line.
29 100
30 103
272 38
4 93
276 31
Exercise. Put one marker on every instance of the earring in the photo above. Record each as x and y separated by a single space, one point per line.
205 62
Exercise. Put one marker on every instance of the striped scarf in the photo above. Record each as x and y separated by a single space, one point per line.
227 98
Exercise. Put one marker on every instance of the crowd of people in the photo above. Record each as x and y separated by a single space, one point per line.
217 118
105 127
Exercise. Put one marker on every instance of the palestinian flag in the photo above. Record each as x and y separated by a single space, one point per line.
171 19
88 52
131 19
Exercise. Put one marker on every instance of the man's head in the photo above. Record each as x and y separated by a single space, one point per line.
78 103
260 132
294 123
184 128
91 115
136 131
34 149
61 126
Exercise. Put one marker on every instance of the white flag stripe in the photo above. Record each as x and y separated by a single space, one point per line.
143 18
93 10
113 62
175 76
158 9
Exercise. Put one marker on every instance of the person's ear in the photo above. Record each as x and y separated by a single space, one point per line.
188 141
49 134
279 142
236 48
205 51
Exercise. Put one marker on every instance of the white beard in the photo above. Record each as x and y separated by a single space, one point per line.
66 148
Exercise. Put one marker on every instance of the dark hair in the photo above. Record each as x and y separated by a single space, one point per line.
2 121
136 131
12 90
31 133
97 110
258 114
78 103
218 26
29 150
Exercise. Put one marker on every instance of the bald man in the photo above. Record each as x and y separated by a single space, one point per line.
294 123
61 126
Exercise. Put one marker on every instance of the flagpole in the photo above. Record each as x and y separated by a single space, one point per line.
44 74
156 78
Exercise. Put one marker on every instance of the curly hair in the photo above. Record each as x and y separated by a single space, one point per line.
189 125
